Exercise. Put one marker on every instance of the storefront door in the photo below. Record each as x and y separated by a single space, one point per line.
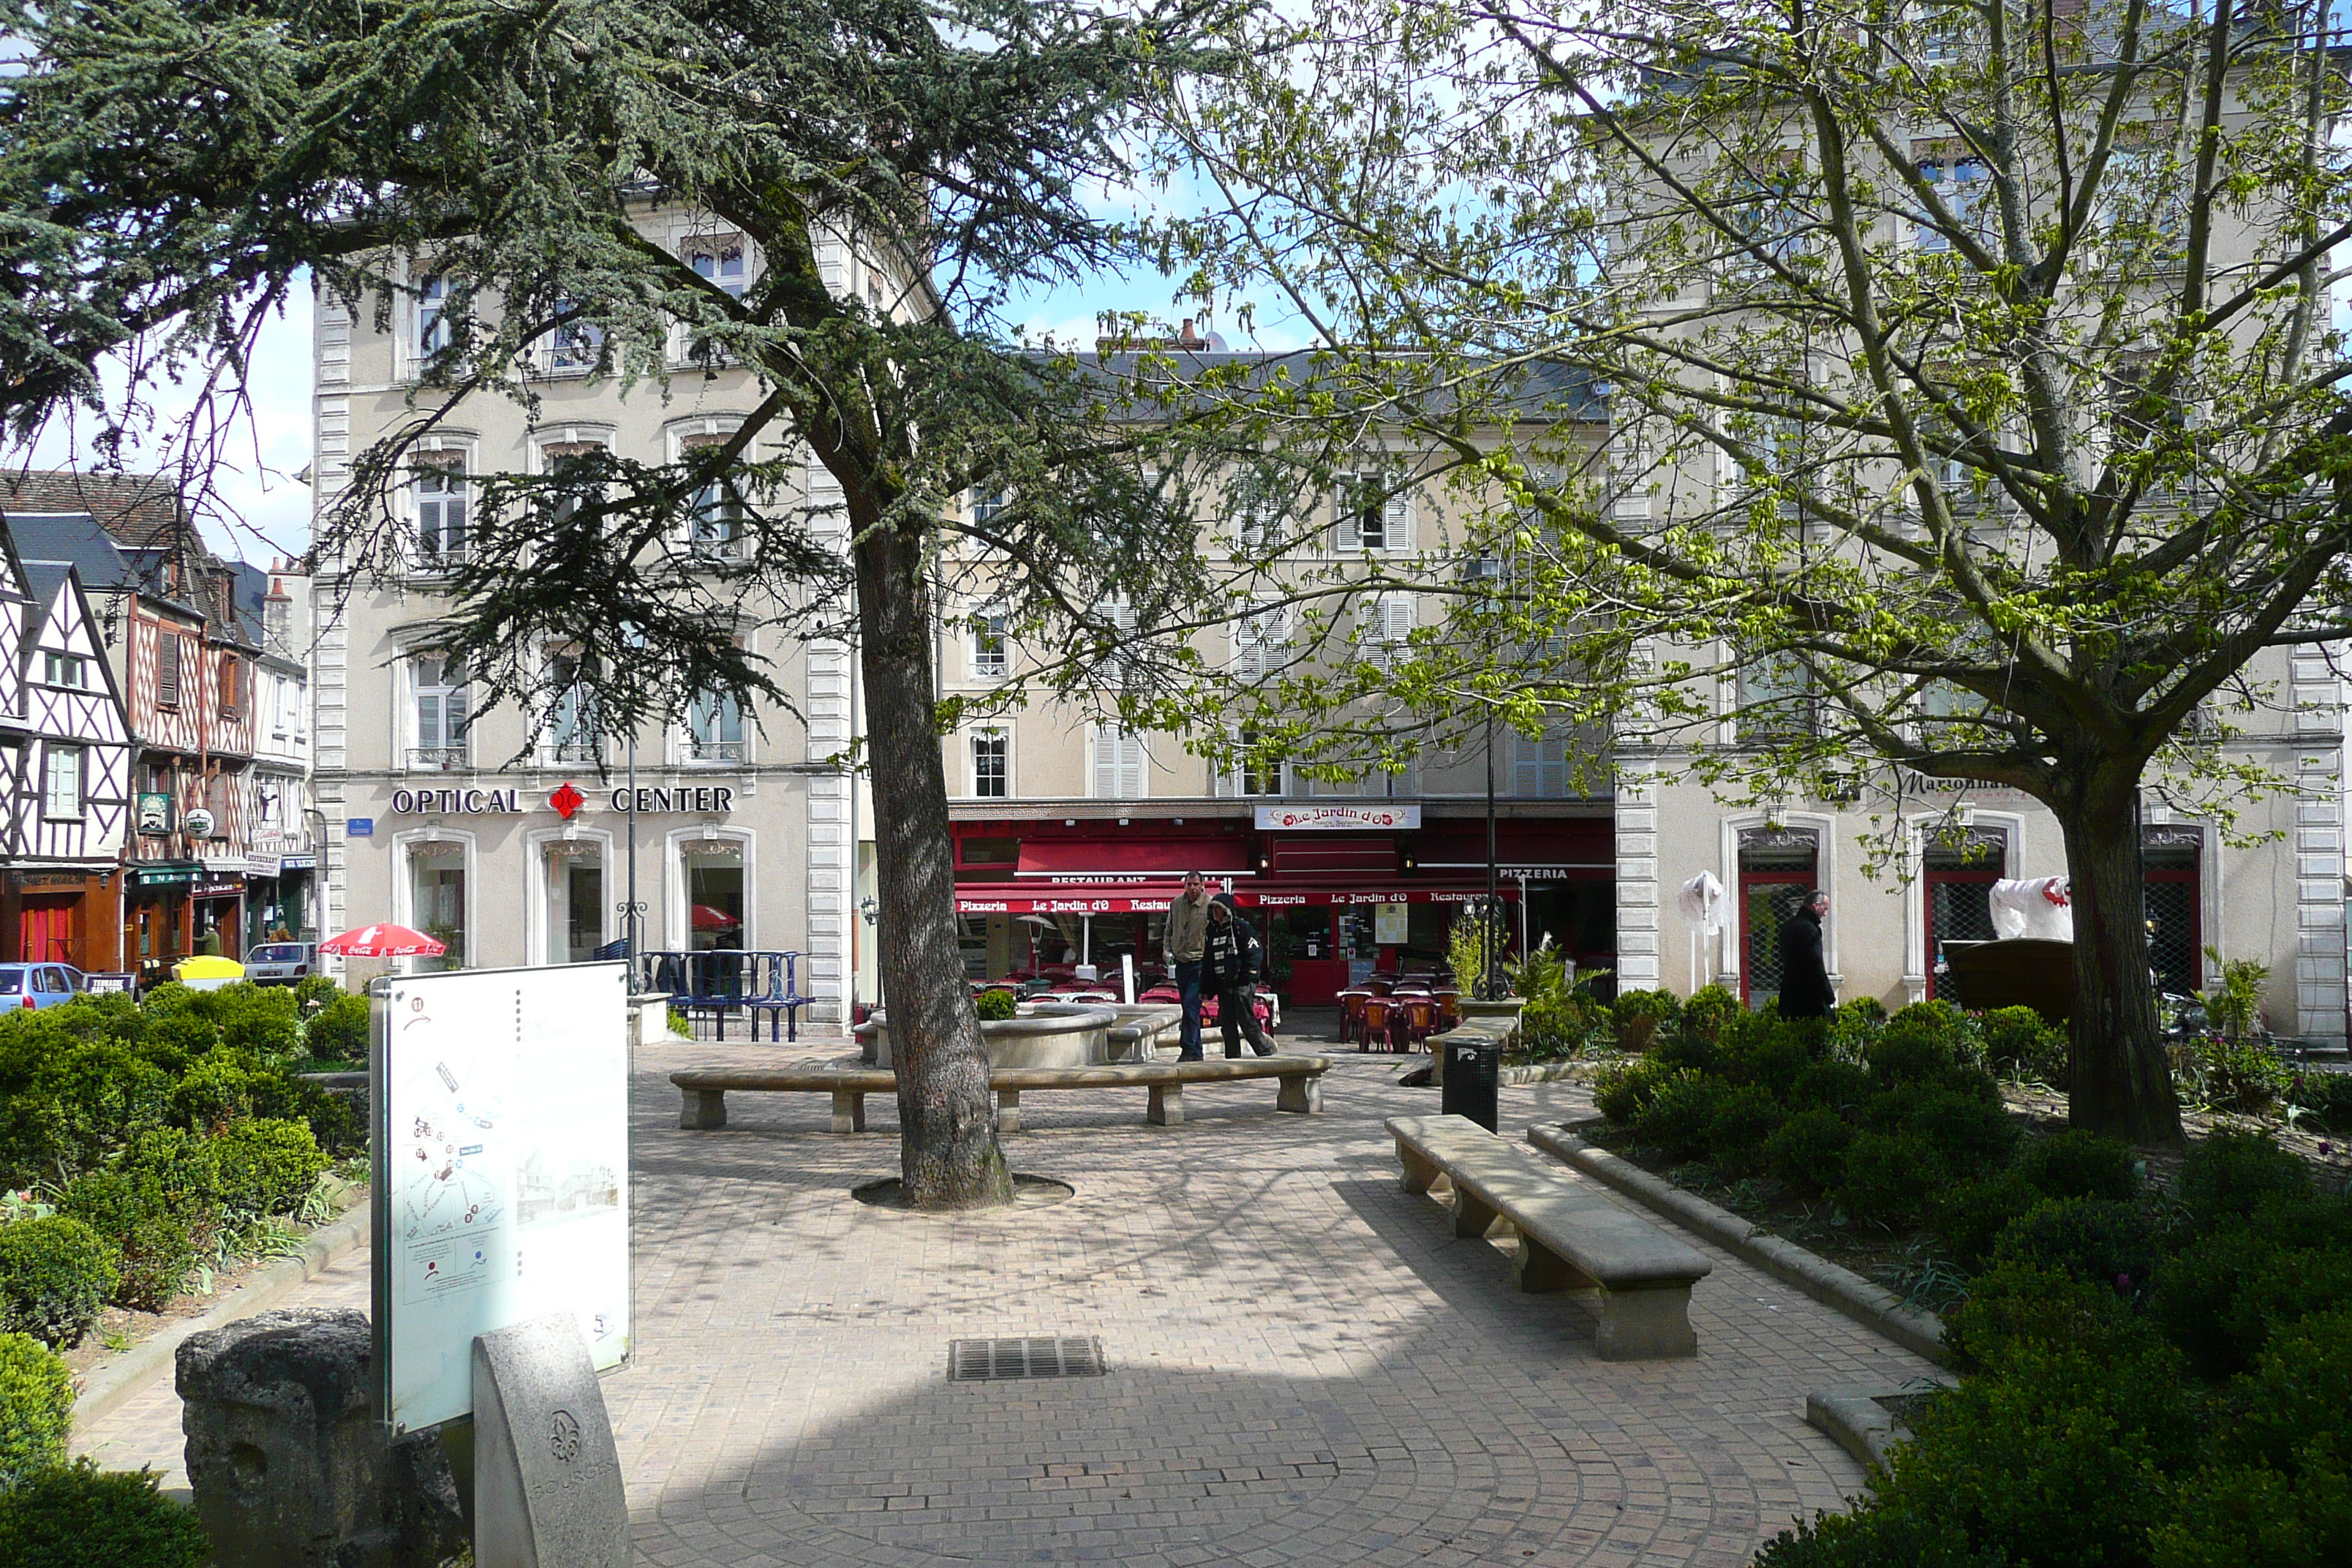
46 927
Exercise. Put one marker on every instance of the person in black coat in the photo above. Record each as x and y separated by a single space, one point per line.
1228 967
1804 975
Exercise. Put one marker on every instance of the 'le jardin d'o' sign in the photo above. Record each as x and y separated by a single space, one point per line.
565 801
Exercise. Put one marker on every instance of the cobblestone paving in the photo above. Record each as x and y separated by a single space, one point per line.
1304 1364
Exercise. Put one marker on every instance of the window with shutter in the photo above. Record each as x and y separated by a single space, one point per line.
1258 641
232 686
1386 622
1541 767
167 669
1372 518
61 799
1119 764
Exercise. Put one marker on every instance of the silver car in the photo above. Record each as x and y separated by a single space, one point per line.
280 962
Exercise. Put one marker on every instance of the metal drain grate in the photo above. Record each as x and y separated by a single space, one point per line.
1000 1361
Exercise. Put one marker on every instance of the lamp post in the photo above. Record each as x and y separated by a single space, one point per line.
1492 915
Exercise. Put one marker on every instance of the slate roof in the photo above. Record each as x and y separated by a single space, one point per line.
1542 389
74 539
142 510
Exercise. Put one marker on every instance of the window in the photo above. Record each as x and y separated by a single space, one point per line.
1258 528
2147 195
233 686
61 782
65 669
1372 518
986 504
441 713
716 528
168 657
1119 764
1767 215
572 731
719 259
1961 181
1258 775
284 706
575 892
990 657
992 765
1776 699
1539 768
1386 622
436 891
576 344
713 873
440 490
714 729
432 317
1258 642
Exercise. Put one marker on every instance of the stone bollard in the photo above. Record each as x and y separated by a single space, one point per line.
287 1466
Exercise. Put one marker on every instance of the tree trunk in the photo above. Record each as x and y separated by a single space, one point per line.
948 1153
2122 1084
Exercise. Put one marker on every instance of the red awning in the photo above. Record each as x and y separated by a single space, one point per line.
1122 899
1089 859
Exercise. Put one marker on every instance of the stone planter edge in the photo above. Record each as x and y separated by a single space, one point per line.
1841 1290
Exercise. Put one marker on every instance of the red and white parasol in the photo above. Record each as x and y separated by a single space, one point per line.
384 940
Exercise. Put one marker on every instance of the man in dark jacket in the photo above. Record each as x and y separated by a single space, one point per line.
1228 968
1804 975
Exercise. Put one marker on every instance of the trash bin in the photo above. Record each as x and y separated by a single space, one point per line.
1474 1068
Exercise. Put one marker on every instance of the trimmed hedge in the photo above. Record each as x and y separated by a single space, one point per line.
90 1517
55 1275
36 1410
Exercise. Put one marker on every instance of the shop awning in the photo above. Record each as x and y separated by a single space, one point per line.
1123 899
1130 856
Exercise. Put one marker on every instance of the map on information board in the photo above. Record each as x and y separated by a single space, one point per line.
503 1170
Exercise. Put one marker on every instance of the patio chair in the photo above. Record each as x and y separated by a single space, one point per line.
1351 1014
1378 1011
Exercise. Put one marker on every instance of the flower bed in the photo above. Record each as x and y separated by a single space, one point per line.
144 1149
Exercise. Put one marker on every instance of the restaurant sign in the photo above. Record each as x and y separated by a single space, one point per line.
1337 818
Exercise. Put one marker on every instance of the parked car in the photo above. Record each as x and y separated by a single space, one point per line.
39 984
280 962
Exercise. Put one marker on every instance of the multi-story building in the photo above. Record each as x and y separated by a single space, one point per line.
281 822
522 842
183 657
65 771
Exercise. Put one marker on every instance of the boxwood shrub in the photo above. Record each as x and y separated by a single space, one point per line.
56 1273
91 1518
266 1167
36 1410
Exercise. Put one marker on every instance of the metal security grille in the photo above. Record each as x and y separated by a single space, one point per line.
2172 935
1000 1361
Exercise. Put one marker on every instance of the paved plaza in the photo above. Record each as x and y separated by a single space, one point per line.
1304 1364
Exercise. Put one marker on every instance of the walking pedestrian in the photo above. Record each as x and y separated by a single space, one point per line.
1228 967
1804 974
1187 932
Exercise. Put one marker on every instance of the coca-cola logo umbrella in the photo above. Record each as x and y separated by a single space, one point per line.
384 940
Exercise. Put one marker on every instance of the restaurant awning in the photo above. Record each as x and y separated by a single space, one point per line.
1092 858
998 897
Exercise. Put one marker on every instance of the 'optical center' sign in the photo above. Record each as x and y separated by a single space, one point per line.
710 798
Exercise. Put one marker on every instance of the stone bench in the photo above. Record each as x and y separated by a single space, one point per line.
1299 1086
1571 1237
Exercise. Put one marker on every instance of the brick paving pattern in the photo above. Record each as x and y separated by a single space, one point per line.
1304 1364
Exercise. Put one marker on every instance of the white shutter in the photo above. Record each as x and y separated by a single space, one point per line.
1119 764
1396 521
1258 641
1351 536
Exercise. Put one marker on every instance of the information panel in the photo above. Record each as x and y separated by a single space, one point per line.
502 1159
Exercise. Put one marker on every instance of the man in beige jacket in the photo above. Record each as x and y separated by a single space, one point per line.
1187 934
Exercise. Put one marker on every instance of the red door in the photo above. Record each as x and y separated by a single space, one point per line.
47 930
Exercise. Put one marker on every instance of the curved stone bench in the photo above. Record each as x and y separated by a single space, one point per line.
1571 1236
1299 1086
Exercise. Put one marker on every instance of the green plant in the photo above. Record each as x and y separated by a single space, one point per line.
1703 1016
1971 1215
91 1518
2235 1006
1912 1049
1772 1058
340 1030
76 1108
55 1275
1891 1179
1639 1016
1832 1086
1621 1090
313 991
266 1167
2222 1297
680 1024
1478 933
1681 1109
1737 1133
2325 1098
2080 1163
2096 1239
36 1410
2240 1074
217 1090
159 1203
2231 1175
1973 1135
1807 1151
997 1006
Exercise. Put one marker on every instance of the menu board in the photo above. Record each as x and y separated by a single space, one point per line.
501 1156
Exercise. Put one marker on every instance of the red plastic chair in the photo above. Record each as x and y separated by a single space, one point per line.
1377 1011
1351 1015
1418 1017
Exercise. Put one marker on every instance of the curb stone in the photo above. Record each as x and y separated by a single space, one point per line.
1841 1290
110 1383
1854 1418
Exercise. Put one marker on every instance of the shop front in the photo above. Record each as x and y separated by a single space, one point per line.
278 899
218 913
61 915
1336 893
157 916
